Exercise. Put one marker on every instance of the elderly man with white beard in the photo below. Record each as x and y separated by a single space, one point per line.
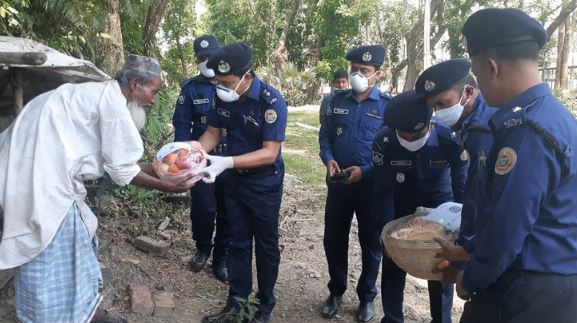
62 138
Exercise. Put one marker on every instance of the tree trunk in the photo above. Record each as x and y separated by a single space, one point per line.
566 10
280 54
414 40
113 46
564 44
181 57
153 19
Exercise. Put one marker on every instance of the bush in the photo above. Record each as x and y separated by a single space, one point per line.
297 87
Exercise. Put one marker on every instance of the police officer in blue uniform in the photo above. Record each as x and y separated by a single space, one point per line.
340 82
352 121
417 162
453 92
254 115
524 264
190 122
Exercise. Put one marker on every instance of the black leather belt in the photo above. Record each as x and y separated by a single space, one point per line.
257 170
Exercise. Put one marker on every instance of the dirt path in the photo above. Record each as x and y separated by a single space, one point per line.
301 286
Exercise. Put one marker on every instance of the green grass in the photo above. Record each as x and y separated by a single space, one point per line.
308 166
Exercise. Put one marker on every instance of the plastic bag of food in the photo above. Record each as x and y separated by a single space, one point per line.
178 159
443 221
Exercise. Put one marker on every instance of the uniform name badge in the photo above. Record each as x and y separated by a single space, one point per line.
200 101
400 177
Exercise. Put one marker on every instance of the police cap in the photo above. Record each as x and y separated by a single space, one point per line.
205 45
231 59
494 27
408 112
442 77
367 55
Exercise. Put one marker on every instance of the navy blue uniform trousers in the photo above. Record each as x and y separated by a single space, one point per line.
525 297
253 204
342 202
207 202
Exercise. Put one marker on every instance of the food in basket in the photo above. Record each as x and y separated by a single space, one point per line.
177 159
421 229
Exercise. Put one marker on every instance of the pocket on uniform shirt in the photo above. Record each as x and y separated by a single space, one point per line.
370 125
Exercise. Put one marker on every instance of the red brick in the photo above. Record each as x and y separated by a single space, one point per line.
163 304
141 300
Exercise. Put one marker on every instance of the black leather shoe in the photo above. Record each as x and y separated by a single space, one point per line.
332 306
366 311
220 270
199 260
227 315
261 317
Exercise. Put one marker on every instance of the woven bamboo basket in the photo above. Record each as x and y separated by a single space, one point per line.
416 257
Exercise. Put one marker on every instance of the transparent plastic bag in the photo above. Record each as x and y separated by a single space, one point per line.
178 159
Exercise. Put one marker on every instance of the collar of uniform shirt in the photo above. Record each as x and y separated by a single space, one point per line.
373 95
473 118
503 114
254 90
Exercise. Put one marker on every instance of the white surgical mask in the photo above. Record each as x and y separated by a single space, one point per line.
207 72
359 82
414 145
450 116
228 95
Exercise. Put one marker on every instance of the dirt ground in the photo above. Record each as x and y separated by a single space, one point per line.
301 287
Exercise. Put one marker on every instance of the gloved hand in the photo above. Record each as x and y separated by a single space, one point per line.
217 165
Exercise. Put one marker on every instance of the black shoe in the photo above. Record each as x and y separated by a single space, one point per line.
199 260
261 317
220 270
332 306
227 315
366 311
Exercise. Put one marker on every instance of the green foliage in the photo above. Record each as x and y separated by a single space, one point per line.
247 309
291 81
71 26
158 130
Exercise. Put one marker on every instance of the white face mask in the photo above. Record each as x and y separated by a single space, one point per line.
359 82
414 145
137 113
228 95
450 116
207 72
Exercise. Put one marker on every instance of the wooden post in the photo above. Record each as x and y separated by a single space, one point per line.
427 35
18 89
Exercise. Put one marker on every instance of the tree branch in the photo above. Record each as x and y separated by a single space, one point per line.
566 10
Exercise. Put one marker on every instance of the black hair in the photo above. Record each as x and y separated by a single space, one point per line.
513 51
468 81
340 74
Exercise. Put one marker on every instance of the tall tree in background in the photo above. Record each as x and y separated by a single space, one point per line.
152 24
111 41
565 34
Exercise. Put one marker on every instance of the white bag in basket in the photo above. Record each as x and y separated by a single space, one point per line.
178 159
447 214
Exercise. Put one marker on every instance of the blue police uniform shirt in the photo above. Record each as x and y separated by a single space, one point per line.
325 105
477 140
350 127
529 193
430 176
194 102
261 115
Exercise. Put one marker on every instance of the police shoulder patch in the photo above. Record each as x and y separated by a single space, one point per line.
464 155
181 98
377 158
506 160
270 116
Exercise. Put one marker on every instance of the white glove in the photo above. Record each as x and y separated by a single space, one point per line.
217 165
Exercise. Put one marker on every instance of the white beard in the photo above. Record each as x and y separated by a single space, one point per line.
138 114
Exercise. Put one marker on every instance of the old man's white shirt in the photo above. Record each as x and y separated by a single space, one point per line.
63 137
